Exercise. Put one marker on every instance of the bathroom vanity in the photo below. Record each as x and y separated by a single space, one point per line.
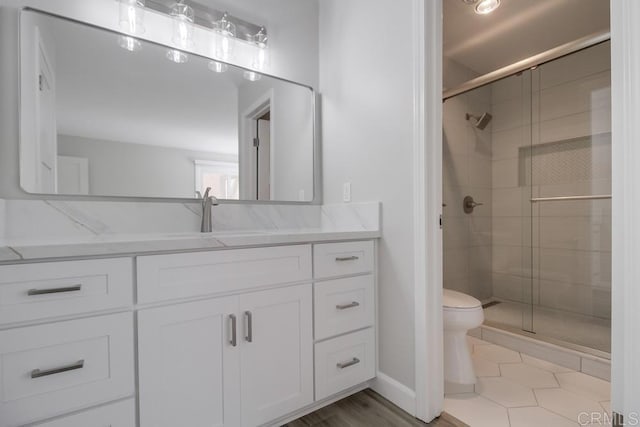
242 335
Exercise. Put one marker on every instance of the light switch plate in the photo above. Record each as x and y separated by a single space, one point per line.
346 192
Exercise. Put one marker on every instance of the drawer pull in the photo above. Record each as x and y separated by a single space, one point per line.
347 258
249 336
234 339
73 288
37 373
346 306
351 362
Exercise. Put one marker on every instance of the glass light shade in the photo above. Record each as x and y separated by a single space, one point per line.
260 59
226 31
177 56
218 67
252 76
132 16
129 43
487 6
183 16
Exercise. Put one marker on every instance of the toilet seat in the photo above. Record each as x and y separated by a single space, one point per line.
453 300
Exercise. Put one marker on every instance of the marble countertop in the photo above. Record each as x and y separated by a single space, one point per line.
115 245
47 229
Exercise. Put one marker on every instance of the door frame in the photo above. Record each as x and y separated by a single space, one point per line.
427 154
427 143
247 156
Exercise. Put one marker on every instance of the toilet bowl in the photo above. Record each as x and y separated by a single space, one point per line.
461 312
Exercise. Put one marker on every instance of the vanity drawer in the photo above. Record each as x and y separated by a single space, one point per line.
53 369
165 277
38 291
340 259
343 305
344 362
120 414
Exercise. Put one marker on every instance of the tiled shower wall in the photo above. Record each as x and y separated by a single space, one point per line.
563 108
467 171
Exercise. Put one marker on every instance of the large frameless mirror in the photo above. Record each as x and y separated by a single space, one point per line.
108 115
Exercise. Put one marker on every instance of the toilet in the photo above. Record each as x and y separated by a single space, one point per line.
461 312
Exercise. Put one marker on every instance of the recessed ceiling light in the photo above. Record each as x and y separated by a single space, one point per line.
484 7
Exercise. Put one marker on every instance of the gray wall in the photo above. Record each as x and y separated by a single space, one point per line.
124 169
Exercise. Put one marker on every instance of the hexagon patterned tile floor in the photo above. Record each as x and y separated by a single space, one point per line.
517 390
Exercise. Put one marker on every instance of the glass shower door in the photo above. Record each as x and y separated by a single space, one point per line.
513 255
570 172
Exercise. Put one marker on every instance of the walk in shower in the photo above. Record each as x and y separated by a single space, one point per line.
526 199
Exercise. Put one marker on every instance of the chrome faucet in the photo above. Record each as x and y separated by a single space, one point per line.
207 202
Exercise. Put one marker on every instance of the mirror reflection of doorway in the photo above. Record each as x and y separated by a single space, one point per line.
262 143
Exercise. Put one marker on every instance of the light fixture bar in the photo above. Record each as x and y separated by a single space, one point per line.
206 16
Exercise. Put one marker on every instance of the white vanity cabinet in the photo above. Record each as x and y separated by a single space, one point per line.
240 360
225 338
344 311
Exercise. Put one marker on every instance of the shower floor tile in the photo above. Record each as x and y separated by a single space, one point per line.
529 392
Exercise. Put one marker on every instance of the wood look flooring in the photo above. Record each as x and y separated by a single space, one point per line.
366 408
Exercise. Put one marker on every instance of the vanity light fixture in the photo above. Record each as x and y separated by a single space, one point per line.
260 56
218 67
183 16
226 31
132 16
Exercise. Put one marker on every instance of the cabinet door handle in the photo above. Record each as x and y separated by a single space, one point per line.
249 336
234 339
346 306
347 258
351 362
32 292
38 373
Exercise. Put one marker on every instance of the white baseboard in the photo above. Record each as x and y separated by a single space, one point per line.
392 390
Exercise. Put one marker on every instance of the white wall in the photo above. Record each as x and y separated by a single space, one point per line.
292 25
366 75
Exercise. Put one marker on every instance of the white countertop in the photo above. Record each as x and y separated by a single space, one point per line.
119 244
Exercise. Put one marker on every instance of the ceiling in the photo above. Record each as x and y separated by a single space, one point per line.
517 30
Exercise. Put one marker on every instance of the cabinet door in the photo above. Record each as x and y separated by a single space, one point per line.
276 353
188 367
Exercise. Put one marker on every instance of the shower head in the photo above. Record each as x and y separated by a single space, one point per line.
482 121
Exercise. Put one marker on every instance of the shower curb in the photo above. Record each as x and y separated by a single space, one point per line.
586 363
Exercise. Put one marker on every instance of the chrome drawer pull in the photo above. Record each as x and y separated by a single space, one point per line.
346 306
351 362
249 317
73 288
37 373
234 339
347 258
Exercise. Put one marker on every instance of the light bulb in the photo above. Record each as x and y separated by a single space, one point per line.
132 16
487 6
260 59
218 67
177 56
226 31
183 16
129 43
252 76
